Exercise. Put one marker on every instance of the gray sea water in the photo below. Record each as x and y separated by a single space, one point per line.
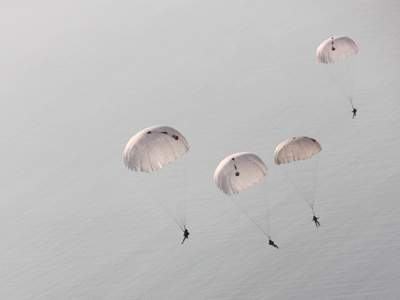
79 79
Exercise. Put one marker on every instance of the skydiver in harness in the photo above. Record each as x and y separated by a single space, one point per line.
354 111
273 244
315 219
186 235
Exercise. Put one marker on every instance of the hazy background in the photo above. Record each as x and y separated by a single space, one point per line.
78 79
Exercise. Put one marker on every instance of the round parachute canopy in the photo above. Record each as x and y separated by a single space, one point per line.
297 148
336 48
153 148
238 172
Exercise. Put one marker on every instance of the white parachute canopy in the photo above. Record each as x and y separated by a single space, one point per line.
297 148
153 148
338 53
238 172
295 156
336 48
159 149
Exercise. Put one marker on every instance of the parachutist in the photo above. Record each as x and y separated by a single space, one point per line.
315 219
354 111
186 235
273 244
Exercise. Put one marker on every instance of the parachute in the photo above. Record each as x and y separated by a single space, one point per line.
156 148
339 54
237 173
296 157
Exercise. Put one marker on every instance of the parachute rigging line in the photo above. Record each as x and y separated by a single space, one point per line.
251 219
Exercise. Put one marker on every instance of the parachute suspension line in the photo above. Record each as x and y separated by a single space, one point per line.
181 198
258 207
337 83
336 68
181 172
176 193
291 180
305 179
348 81
175 162
184 201
267 214
300 186
353 79
251 219
254 205
302 193
157 196
301 174
179 203
185 189
315 182
350 76
164 194
309 176
312 180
